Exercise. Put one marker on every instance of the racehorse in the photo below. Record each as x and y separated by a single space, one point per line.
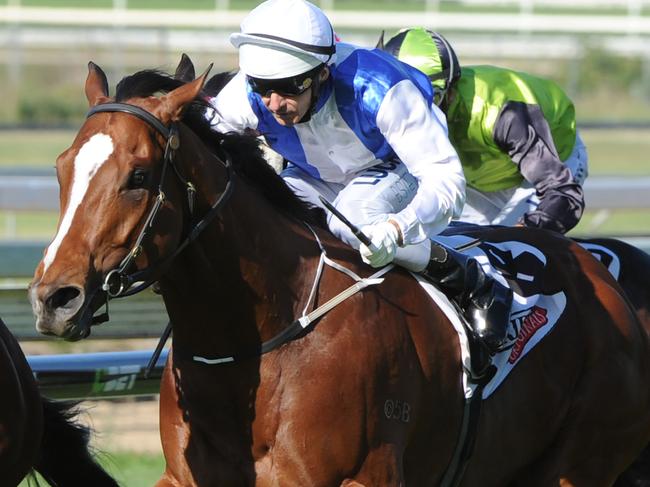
259 389
36 433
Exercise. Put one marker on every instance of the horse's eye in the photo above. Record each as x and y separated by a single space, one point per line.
138 178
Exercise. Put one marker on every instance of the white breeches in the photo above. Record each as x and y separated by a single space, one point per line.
369 198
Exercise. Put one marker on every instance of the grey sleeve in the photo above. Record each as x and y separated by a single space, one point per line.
522 131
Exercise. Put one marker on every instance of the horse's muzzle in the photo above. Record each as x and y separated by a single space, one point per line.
61 311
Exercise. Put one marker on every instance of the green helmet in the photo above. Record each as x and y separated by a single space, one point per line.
427 51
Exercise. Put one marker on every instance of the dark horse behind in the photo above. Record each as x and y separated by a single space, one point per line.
149 193
37 433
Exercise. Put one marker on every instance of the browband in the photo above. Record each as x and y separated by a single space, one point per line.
131 110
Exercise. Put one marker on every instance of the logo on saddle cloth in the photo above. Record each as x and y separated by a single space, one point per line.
525 324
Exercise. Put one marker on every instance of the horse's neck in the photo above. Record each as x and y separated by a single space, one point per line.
243 280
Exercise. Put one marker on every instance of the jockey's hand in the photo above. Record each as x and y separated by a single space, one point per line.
385 238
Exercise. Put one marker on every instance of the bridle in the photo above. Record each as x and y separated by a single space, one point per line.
118 282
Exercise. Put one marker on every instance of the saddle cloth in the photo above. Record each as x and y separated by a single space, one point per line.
533 315
606 257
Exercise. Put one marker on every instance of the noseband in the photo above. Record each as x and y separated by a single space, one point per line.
117 282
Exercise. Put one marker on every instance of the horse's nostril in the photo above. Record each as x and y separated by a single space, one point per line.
62 297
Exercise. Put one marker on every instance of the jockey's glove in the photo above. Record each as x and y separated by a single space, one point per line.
385 238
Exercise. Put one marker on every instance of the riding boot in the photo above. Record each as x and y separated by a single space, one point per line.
485 302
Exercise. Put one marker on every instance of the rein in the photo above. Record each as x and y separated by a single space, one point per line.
117 282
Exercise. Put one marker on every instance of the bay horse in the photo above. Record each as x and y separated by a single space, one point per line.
149 193
37 433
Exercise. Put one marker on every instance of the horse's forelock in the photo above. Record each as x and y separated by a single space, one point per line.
145 83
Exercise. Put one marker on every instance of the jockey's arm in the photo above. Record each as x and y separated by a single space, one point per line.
417 132
523 132
230 111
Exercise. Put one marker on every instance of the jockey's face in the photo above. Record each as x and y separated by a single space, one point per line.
289 110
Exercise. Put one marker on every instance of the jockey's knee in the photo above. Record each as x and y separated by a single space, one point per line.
359 213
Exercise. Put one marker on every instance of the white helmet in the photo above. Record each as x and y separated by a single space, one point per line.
284 38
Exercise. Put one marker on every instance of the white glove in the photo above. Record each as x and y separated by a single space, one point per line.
384 237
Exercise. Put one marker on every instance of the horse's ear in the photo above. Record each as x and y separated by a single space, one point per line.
185 70
380 42
96 85
175 101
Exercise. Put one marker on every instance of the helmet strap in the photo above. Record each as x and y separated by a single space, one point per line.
442 98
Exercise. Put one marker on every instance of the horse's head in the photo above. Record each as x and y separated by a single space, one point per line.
119 213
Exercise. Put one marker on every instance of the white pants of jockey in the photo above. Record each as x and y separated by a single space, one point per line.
369 198
506 207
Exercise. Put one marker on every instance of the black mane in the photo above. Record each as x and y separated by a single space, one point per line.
244 150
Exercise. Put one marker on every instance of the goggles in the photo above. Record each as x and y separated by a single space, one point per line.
292 86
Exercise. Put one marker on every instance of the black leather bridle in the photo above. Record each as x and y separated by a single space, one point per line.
118 282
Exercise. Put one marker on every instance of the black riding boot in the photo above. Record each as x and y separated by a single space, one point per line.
484 301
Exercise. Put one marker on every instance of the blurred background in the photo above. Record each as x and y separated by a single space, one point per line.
597 50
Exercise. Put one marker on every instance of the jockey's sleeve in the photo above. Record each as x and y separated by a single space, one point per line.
230 110
523 132
417 132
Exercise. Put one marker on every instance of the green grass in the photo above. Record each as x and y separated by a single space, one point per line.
618 152
129 469
622 152
134 470
32 225
33 147
611 152
619 222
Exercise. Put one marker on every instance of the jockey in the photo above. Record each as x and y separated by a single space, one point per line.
515 134
360 129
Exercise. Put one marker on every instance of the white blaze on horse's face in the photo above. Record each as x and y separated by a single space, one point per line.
90 158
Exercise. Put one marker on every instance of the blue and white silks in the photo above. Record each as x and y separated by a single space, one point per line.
371 109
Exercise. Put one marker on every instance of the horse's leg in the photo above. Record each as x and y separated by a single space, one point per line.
637 474
595 444
173 434
382 466
606 428
21 415
168 481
